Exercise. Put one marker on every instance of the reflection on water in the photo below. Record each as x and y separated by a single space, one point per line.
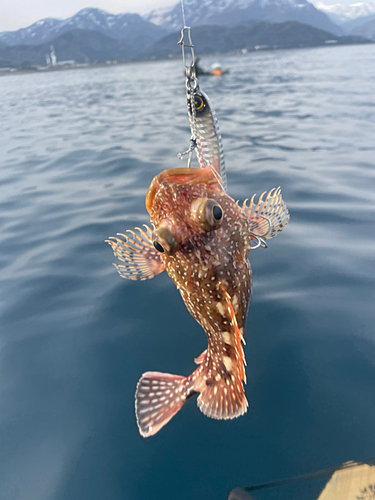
79 150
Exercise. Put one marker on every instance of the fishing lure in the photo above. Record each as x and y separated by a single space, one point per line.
205 128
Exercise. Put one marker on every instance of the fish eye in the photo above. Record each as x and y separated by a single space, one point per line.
208 213
198 102
158 247
217 213
164 241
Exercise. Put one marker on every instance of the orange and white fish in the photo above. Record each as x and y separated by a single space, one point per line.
202 238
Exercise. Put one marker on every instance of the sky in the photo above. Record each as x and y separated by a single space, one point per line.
15 14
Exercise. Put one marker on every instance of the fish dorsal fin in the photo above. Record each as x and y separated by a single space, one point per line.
269 216
140 259
223 395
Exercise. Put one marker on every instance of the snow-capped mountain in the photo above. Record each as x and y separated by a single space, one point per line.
34 34
125 27
340 13
355 19
229 12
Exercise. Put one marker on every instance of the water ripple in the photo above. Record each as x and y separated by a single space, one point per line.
79 149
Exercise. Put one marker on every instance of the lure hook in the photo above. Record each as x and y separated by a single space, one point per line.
260 242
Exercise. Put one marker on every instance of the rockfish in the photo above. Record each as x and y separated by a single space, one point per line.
202 238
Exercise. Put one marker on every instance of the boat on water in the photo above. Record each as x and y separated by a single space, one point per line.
349 481
216 69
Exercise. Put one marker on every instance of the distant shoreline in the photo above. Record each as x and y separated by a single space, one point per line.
51 69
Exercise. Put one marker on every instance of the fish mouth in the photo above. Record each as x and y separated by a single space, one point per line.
180 176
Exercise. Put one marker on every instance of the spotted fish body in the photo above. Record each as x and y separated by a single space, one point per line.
210 268
213 275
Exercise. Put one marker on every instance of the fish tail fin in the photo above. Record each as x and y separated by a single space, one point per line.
222 401
159 396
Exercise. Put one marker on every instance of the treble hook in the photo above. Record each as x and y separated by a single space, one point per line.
261 242
192 147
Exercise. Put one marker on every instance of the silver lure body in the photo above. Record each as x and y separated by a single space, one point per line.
210 151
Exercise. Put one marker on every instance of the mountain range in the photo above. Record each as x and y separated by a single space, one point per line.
340 14
81 46
213 39
366 29
93 35
353 18
230 12
130 28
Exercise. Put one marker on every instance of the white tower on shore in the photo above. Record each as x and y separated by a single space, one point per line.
53 56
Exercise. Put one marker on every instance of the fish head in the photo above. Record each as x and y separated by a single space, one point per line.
197 226
182 203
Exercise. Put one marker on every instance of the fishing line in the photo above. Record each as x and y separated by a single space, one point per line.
183 13
192 90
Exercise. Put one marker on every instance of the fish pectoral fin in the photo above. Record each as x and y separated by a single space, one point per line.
269 216
200 358
159 396
140 259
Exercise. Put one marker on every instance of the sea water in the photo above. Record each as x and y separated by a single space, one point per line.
78 152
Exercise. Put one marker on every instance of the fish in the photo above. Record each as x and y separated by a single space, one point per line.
202 238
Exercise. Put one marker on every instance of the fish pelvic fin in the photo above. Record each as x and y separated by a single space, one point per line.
140 259
269 216
159 396
200 358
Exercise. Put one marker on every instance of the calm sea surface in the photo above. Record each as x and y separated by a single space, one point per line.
78 151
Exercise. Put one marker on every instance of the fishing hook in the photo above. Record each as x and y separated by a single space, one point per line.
260 242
